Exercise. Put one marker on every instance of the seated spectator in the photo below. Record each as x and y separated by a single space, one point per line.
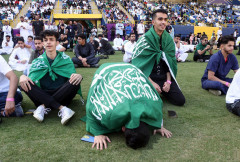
219 65
20 56
105 47
233 95
180 54
30 42
60 48
127 110
63 40
213 44
118 43
94 43
52 82
10 98
201 49
39 49
84 52
238 44
128 47
7 46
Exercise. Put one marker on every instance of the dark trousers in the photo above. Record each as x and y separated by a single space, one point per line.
90 62
53 98
204 57
234 107
3 96
238 49
209 84
174 95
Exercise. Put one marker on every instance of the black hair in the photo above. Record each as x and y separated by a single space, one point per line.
226 39
46 33
20 39
82 36
159 11
8 36
138 137
38 38
30 36
100 35
203 37
131 34
177 35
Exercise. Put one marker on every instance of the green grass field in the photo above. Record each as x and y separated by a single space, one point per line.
203 131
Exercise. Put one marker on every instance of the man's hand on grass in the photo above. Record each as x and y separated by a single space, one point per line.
100 142
163 132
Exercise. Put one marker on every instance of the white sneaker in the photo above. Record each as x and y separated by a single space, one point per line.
66 114
39 113
215 92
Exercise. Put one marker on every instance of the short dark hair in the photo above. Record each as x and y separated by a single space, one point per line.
131 34
203 37
226 39
138 137
46 33
81 36
177 35
30 36
8 36
100 35
38 38
159 11
20 39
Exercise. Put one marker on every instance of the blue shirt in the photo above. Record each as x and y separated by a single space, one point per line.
128 29
218 65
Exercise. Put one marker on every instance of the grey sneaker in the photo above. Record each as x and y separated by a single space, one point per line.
215 92
19 110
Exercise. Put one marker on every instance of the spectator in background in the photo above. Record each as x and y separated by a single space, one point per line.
219 33
99 30
118 43
201 49
94 31
23 26
128 29
85 55
105 47
7 30
180 54
238 44
140 28
70 33
95 44
7 46
63 41
119 28
128 48
38 26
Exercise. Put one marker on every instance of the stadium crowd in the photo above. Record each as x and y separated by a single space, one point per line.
9 9
76 7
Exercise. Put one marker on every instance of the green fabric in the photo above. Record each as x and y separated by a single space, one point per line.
147 51
200 47
62 65
47 83
121 95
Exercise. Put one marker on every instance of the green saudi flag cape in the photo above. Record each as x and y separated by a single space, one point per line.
121 95
62 65
147 52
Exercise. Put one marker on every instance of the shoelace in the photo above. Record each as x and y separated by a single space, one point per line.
47 110
60 113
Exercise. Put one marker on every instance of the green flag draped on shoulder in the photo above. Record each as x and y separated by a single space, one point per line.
121 95
147 52
62 65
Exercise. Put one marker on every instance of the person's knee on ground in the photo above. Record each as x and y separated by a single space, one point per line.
138 137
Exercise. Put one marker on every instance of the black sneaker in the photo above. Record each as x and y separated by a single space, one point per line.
95 66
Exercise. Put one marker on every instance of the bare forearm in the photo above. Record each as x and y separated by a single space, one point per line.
13 86
168 76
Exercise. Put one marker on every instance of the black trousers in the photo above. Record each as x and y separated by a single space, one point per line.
91 61
53 98
238 49
174 95
234 107
204 57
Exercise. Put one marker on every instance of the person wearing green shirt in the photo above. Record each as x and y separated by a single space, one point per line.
52 82
201 49
121 98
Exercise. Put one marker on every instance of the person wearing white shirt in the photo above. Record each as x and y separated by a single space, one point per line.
233 95
20 56
180 54
141 28
7 30
128 47
48 25
119 28
24 27
7 46
117 43
219 32
10 98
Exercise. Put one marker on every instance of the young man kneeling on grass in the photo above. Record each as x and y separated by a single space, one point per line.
10 98
219 65
233 95
52 81
122 98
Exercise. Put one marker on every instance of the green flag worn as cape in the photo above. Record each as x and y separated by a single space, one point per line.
62 65
147 52
121 95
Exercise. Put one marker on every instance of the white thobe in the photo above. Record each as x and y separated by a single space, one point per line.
19 54
6 48
180 53
24 27
117 44
128 47
7 31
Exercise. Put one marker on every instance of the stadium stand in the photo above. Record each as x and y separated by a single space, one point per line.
9 9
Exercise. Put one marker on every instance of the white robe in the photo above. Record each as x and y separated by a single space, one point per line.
23 32
181 53
117 44
128 47
7 31
22 54
6 48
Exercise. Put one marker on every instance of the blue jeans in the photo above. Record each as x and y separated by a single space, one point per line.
18 98
209 84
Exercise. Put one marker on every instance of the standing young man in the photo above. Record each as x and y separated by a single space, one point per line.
52 81
219 65
154 54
